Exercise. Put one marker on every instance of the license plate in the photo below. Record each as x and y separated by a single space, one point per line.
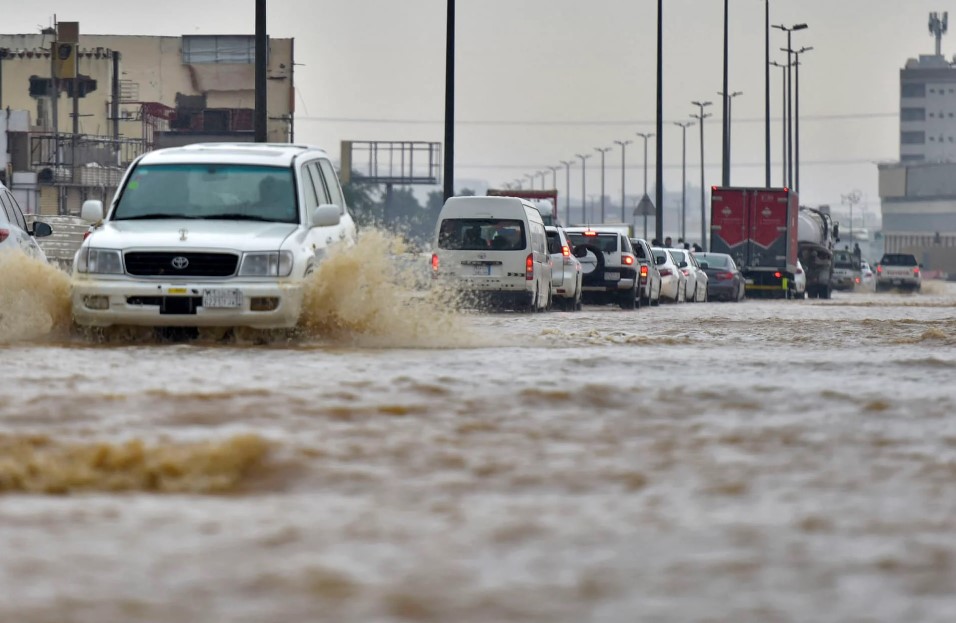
612 276
222 298
749 282
897 282
481 269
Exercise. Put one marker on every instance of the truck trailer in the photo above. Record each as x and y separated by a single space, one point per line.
758 228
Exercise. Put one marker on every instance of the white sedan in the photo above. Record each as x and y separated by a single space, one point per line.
673 281
696 284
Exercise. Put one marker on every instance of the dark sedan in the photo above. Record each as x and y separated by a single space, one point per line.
724 280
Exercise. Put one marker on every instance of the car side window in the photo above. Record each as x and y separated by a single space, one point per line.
6 215
321 192
16 216
332 184
311 195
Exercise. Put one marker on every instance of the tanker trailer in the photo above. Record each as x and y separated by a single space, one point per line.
815 238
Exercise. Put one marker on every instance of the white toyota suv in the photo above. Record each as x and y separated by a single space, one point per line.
213 234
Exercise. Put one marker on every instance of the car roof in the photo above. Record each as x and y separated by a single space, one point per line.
265 154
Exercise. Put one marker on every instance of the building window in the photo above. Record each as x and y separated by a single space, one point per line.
913 138
913 90
912 114
931 115
237 49
911 157
932 139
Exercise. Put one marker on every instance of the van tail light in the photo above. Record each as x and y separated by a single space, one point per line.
665 272
3 234
529 267
858 280
643 271
628 260
434 264
916 270
566 254
879 269
724 276
778 274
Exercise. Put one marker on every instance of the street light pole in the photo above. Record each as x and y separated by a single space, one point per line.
567 191
683 125
584 198
766 81
789 51
554 179
796 121
783 121
659 126
645 136
725 164
623 145
700 116
530 177
729 99
602 151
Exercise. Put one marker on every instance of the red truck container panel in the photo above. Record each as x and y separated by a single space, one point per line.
757 226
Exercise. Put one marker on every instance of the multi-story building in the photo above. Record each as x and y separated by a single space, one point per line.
918 193
131 94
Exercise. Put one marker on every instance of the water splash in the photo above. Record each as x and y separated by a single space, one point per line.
34 299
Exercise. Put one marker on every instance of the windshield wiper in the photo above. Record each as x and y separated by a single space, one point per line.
152 215
235 216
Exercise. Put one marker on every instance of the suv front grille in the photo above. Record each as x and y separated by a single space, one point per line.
162 264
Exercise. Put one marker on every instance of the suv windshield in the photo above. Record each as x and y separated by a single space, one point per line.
899 259
209 191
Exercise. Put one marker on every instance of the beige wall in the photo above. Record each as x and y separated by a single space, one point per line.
154 65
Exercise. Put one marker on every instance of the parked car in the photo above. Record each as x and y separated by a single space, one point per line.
210 234
799 282
495 249
565 270
867 276
649 289
724 280
673 281
15 234
696 278
898 270
609 267
846 270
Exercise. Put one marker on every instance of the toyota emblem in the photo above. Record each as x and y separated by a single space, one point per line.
179 262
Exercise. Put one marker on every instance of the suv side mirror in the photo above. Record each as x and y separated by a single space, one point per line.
92 211
41 230
326 215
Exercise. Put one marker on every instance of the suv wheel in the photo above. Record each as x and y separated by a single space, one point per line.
627 300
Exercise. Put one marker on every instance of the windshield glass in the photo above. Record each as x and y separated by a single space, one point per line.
845 259
660 253
678 257
605 242
209 191
899 259
479 234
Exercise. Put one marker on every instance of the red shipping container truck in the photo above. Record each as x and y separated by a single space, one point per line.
758 228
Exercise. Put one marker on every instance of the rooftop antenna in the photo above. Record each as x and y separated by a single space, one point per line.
938 28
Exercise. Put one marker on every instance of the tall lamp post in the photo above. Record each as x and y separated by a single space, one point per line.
567 191
725 160
554 179
728 119
584 197
789 50
783 121
700 116
683 125
796 116
645 136
766 88
530 177
542 174
623 145
602 151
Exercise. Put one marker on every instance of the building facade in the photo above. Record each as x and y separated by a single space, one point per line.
928 110
132 94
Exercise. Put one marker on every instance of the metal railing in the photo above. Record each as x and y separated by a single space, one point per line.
83 160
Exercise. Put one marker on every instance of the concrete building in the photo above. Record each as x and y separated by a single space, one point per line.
132 94
928 110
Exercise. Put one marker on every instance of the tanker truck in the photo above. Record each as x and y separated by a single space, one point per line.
815 237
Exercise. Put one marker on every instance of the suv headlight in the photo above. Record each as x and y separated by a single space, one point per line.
266 264
99 261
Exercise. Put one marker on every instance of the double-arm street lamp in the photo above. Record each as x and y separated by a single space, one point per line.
783 121
683 125
796 116
728 119
700 116
602 151
623 145
567 191
584 197
789 50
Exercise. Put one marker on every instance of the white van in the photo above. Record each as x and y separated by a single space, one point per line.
495 248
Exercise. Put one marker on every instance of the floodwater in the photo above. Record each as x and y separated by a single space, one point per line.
398 461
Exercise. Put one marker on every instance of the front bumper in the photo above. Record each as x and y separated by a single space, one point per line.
168 304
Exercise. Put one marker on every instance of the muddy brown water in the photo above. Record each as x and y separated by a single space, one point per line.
399 461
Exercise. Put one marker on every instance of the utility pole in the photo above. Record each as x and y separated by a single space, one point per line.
683 125
262 60
783 121
766 82
449 172
796 105
700 116
659 164
584 199
789 51
728 120
623 145
602 151
567 191
554 179
725 164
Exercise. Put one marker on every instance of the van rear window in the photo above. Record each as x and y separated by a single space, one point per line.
607 242
479 234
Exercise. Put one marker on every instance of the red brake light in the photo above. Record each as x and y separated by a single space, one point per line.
434 262
778 274
858 280
529 267
590 233
643 271
665 272
686 271
916 270
725 276
629 260
566 251
879 269
3 234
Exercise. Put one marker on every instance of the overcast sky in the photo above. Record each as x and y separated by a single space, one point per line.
539 81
